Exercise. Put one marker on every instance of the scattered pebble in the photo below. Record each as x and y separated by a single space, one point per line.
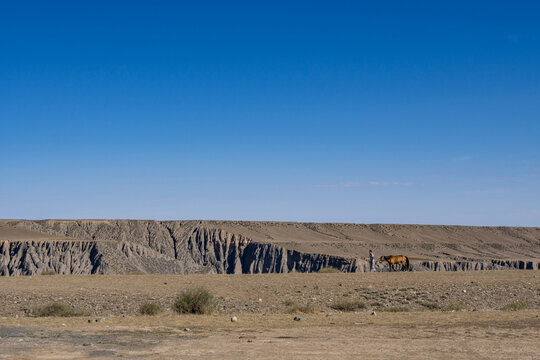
373 313
100 319
187 329
298 318
234 319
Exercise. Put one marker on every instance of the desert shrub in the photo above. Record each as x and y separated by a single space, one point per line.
515 306
396 309
150 308
429 305
294 307
289 302
329 270
455 306
352 305
54 309
48 272
194 301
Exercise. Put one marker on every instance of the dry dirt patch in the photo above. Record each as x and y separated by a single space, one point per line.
265 328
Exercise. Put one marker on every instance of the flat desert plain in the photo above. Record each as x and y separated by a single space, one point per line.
422 315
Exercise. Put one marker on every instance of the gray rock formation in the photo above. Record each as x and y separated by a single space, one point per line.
180 247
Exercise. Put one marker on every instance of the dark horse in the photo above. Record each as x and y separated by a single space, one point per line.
393 260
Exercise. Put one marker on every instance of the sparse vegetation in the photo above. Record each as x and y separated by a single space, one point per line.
294 307
515 306
330 270
49 272
346 305
396 309
55 309
455 306
194 301
430 305
150 308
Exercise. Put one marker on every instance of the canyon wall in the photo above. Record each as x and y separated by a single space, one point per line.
178 247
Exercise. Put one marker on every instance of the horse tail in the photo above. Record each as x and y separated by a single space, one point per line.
407 263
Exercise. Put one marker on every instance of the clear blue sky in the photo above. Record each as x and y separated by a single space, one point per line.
374 112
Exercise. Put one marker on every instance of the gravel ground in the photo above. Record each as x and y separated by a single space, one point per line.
109 295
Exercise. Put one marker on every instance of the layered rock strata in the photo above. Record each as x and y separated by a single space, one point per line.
179 247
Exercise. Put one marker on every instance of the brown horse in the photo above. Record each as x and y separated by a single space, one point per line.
393 260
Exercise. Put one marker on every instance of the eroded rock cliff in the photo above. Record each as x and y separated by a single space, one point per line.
185 247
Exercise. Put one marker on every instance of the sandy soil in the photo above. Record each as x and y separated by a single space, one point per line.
265 328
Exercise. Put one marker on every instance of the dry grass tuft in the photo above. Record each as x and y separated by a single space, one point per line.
396 309
515 306
49 272
351 305
456 306
330 270
294 307
194 301
150 308
55 309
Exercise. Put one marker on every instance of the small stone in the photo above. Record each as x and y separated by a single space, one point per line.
91 320
260 300
329 314
464 291
298 318
100 319
86 344
373 313
249 340
234 319
187 329
123 315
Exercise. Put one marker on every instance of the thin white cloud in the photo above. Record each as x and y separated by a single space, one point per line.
462 158
361 184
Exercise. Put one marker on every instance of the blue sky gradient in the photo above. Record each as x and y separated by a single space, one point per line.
375 112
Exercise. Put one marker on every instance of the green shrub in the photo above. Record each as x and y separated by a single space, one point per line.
348 305
48 272
515 306
194 301
150 308
54 309
329 270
